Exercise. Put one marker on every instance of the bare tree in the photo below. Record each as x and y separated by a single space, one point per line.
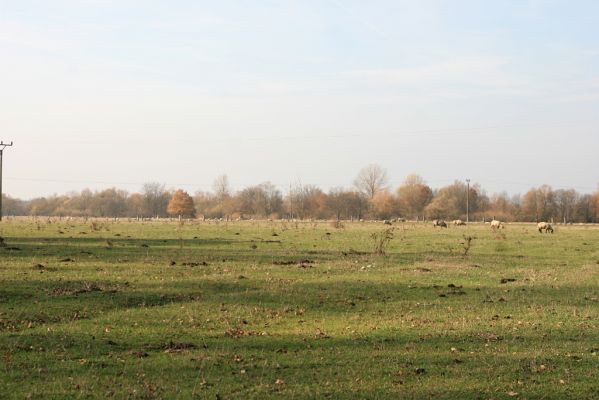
414 195
110 202
207 205
584 208
135 205
156 199
538 204
261 200
502 207
344 204
595 206
414 180
306 201
221 188
371 179
450 201
565 203
384 205
13 206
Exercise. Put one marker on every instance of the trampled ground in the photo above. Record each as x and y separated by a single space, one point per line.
297 310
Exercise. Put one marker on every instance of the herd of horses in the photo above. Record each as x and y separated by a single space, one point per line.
495 224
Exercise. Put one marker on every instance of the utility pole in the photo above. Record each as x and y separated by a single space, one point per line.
467 200
290 203
2 147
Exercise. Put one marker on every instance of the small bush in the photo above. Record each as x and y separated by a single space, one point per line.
381 240
467 243
337 224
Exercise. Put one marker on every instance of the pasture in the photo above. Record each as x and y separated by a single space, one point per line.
290 310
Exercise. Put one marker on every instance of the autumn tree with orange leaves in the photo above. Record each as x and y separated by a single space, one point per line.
181 205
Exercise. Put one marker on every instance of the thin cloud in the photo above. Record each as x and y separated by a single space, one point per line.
365 23
487 71
22 35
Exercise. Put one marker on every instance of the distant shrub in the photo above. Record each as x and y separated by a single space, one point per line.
337 224
467 243
381 240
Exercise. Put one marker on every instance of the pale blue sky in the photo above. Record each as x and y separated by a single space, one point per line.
99 93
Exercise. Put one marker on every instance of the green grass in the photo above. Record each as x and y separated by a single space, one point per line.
297 310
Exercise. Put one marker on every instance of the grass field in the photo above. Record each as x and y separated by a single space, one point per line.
297 310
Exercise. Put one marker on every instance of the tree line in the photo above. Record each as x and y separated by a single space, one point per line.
369 198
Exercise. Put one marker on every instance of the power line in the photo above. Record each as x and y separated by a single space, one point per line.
180 184
448 132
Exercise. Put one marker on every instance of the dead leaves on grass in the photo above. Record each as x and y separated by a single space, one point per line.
171 347
304 263
81 288
42 268
190 264
237 333
487 336
453 290
87 287
195 264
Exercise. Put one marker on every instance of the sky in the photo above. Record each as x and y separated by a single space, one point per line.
102 93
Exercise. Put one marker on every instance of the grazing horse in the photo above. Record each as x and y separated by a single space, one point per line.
440 223
544 226
495 224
